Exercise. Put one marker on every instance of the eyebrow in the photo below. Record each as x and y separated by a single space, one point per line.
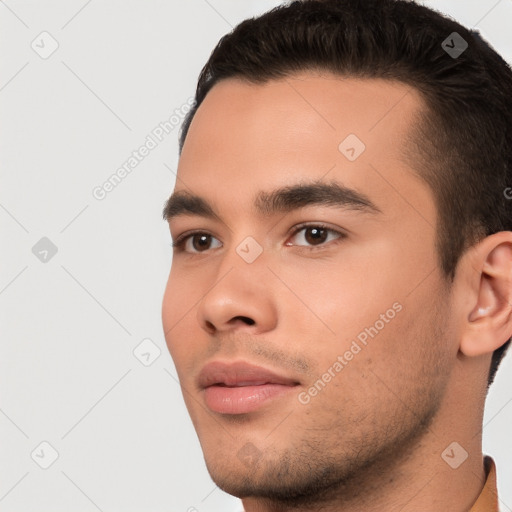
278 201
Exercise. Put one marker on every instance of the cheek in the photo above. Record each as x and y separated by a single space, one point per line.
169 303
368 284
361 378
339 297
367 307
177 311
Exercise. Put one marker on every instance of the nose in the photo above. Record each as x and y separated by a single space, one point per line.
241 298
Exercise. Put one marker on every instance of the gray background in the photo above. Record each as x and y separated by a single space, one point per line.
70 324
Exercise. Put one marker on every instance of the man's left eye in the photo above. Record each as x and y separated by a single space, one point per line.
315 234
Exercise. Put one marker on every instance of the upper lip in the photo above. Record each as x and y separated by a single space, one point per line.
239 373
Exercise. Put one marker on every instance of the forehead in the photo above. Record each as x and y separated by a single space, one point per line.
248 137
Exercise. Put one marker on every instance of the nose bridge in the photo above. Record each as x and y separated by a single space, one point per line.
240 289
246 254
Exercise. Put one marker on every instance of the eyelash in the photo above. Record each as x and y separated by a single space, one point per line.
179 243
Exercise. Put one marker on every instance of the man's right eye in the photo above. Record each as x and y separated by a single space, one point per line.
199 242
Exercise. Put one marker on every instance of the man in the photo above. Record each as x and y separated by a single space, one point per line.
341 285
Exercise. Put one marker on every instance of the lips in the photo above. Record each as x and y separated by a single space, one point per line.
240 387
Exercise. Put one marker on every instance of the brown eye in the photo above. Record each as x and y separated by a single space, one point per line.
200 242
194 242
315 235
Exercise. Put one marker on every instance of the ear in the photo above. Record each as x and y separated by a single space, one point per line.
487 321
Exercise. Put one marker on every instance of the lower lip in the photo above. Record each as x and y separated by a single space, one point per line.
242 399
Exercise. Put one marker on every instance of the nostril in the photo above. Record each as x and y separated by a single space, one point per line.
246 319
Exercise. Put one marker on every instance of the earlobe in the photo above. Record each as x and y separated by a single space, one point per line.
489 320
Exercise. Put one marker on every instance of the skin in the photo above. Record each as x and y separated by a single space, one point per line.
372 438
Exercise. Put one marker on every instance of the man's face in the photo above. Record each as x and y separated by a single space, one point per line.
330 338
